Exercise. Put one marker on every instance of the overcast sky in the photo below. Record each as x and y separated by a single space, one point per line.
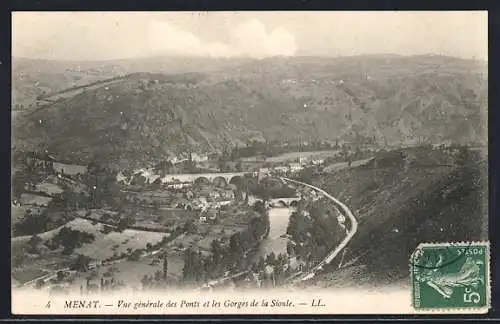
110 35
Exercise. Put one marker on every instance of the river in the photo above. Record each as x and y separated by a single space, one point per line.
278 218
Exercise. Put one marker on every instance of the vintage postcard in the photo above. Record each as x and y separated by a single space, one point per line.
249 163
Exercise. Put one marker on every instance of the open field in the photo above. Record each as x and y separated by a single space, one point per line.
76 224
103 246
34 266
343 165
19 240
17 213
70 169
26 275
71 92
49 188
106 245
131 272
32 199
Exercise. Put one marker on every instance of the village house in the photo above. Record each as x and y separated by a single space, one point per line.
199 158
189 194
214 194
212 214
265 171
42 161
288 81
303 160
317 162
227 194
94 264
220 203
295 167
179 185
199 203
208 214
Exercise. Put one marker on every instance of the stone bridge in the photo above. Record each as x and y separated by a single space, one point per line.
284 202
223 178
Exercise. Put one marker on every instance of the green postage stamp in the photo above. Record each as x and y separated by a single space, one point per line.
450 276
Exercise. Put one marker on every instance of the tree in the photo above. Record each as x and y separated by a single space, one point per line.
125 223
158 276
165 266
191 265
239 166
71 239
18 182
271 258
135 256
289 248
189 226
145 281
39 283
235 245
216 251
105 218
33 243
81 263
93 168
463 155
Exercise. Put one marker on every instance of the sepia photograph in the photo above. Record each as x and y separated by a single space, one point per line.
208 161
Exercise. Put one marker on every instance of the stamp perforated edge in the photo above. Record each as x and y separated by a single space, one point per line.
454 310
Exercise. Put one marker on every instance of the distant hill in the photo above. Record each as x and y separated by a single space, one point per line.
34 77
149 115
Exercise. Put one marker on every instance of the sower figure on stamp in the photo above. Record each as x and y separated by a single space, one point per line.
467 276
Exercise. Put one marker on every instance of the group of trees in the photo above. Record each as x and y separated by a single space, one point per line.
307 175
279 266
270 148
125 222
265 189
32 167
241 242
252 148
223 256
314 230
160 276
271 188
69 239
81 263
20 180
33 223
102 186
69 200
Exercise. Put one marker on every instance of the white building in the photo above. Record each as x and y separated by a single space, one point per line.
179 185
264 171
295 167
214 194
318 161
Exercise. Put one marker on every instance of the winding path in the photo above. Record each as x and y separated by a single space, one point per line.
352 231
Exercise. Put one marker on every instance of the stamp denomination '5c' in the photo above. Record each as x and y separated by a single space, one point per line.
450 276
